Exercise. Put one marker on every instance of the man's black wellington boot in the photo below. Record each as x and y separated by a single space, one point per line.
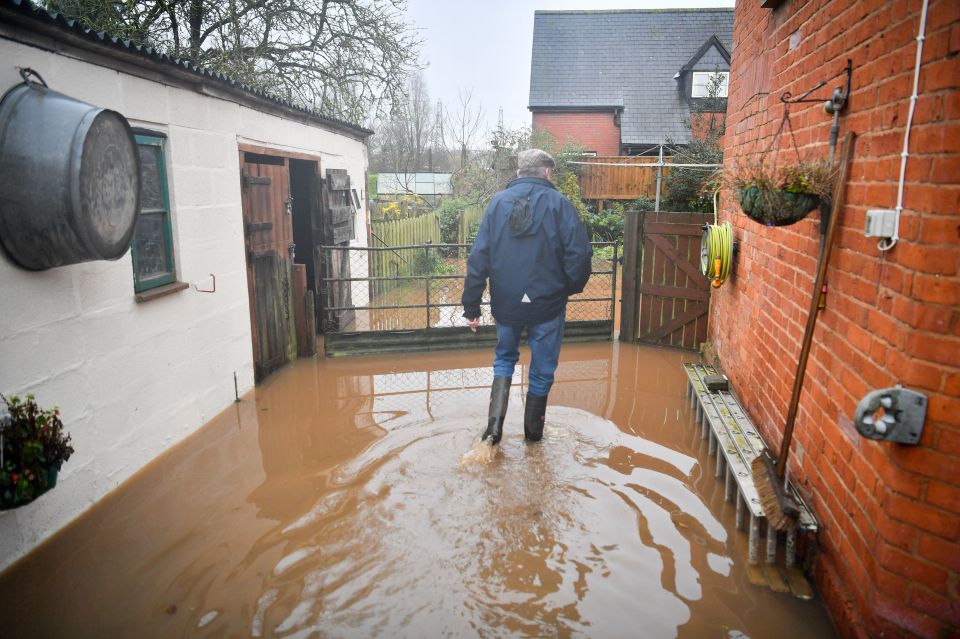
533 417
499 396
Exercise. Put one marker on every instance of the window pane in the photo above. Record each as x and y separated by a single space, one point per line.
150 195
703 82
150 246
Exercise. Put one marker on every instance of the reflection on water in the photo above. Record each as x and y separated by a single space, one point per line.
351 498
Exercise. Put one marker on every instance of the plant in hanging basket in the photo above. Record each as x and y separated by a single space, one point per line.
778 196
34 448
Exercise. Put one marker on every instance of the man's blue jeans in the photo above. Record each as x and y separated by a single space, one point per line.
544 340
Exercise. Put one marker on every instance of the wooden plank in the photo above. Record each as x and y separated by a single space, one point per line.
304 335
666 228
680 280
338 180
340 214
618 182
285 153
646 273
310 311
342 233
677 322
671 253
256 180
661 270
688 334
630 281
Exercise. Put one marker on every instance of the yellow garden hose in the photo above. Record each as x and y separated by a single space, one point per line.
716 249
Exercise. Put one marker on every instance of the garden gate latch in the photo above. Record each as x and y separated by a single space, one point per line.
892 414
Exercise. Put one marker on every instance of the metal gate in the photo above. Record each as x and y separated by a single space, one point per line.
407 298
665 296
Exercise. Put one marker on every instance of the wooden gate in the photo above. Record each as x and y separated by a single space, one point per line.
268 235
665 296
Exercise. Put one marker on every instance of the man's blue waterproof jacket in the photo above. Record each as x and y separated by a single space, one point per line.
532 246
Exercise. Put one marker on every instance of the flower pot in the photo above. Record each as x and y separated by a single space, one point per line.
774 207
52 473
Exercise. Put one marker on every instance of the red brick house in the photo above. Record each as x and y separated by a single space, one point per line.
624 82
889 560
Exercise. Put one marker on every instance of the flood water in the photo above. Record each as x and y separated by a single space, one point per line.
335 501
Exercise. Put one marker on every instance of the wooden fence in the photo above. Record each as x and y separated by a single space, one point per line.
424 229
471 215
626 179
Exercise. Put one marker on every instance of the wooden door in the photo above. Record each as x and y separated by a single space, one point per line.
268 234
674 294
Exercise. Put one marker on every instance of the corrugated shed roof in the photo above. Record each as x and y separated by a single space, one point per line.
623 58
25 13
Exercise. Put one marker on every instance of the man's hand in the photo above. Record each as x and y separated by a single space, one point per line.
473 323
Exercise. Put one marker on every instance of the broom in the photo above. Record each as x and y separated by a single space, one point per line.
779 507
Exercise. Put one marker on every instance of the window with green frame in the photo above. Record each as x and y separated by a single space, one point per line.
152 248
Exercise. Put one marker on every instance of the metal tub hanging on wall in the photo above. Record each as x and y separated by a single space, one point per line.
69 178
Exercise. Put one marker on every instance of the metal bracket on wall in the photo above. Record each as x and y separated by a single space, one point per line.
206 290
836 101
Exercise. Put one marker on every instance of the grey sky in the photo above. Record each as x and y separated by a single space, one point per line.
485 45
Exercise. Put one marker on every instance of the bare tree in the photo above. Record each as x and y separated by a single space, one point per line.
464 125
343 57
403 142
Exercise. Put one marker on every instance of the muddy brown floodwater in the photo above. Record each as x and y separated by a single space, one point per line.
331 502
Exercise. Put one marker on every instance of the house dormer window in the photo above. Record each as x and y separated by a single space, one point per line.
705 81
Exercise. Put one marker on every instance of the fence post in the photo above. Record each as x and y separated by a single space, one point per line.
426 285
630 297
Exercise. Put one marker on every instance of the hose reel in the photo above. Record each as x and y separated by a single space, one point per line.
716 249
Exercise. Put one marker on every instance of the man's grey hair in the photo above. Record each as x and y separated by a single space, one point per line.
534 163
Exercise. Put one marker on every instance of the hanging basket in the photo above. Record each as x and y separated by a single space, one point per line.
775 207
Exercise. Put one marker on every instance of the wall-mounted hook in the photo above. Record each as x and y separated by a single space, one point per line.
204 290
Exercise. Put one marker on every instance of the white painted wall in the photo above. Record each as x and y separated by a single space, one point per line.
134 379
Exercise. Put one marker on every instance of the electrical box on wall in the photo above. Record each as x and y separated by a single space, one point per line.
881 223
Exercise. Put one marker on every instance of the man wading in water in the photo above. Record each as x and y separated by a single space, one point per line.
534 249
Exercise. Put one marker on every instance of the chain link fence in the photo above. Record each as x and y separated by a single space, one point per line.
418 288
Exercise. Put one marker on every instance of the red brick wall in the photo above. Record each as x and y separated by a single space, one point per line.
889 563
594 130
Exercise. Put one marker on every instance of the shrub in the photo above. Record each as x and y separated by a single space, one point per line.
642 203
449 214
606 225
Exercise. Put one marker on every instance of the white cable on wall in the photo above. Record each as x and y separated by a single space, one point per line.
885 244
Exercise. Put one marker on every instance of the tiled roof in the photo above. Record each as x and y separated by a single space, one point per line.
24 13
626 59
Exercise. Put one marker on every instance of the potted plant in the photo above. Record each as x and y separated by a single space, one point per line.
778 196
33 447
